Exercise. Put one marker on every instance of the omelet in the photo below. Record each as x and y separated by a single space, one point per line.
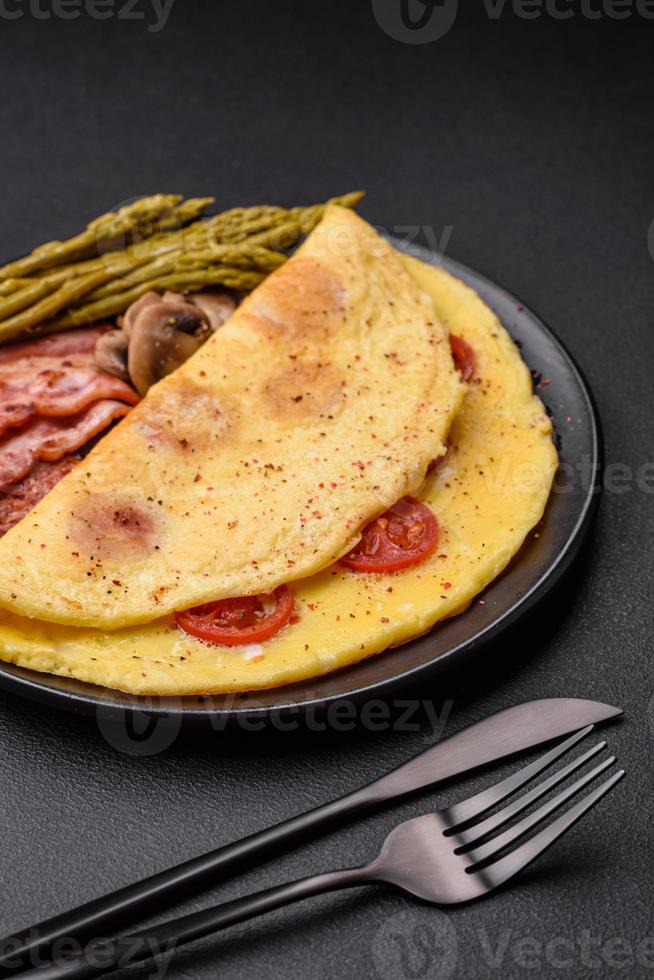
489 491
319 403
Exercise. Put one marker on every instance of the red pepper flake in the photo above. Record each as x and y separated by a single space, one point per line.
447 585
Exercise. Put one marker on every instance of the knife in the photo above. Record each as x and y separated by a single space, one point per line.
496 737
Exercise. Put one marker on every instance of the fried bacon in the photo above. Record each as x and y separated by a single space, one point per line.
54 376
52 438
19 499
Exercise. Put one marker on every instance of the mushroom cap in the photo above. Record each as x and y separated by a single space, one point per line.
128 319
216 307
159 341
111 353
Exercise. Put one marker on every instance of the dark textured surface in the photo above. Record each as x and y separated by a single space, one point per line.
533 139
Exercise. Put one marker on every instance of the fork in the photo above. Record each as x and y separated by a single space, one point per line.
447 857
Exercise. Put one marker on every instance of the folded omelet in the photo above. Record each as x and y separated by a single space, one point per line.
317 405
488 493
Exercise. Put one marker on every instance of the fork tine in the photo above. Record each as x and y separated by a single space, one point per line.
503 869
510 836
479 830
477 805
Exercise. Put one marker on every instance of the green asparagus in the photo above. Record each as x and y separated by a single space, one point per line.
156 243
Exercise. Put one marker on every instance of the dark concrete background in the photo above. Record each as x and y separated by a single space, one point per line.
533 140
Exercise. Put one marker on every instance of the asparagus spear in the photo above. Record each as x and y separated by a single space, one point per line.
47 280
285 228
20 299
60 299
187 211
231 277
273 226
255 259
235 248
157 244
129 223
11 285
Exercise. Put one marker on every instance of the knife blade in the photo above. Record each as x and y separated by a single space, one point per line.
505 733
500 735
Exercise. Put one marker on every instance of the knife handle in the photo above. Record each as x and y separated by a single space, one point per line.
94 919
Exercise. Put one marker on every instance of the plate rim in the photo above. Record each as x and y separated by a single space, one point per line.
82 703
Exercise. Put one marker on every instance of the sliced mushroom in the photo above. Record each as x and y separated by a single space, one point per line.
217 307
177 299
127 320
160 341
111 353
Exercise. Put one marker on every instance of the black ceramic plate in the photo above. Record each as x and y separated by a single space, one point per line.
536 569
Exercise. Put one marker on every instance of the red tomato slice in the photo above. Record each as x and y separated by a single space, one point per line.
402 536
464 356
234 622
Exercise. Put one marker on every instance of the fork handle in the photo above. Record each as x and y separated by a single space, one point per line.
97 917
162 940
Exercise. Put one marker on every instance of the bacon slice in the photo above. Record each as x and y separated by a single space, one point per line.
54 376
48 386
79 343
52 438
18 501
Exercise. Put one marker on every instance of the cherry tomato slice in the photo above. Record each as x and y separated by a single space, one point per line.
402 536
234 622
464 356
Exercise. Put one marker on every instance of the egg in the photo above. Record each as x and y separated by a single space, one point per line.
488 493
320 402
